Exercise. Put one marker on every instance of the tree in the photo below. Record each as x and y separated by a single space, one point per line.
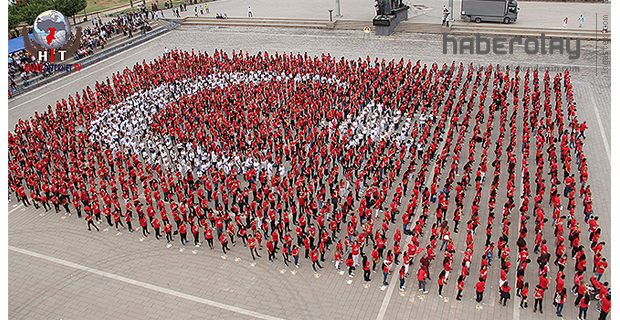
28 10
15 16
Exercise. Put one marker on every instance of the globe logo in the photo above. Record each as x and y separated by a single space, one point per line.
51 29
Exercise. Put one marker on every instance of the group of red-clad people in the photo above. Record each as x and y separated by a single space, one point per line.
329 170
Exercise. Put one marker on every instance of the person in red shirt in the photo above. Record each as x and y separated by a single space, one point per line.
422 280
460 284
252 246
442 281
504 293
168 232
314 257
145 230
128 221
559 300
366 267
401 277
156 225
295 253
350 265
581 292
479 290
183 233
195 234
117 220
538 298
223 242
209 236
605 306
271 250
583 307
524 293
89 220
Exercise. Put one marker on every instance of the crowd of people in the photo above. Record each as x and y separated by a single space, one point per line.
308 159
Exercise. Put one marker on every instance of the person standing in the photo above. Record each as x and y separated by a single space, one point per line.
314 256
145 230
295 253
366 267
209 236
128 221
401 277
183 233
422 280
565 22
524 293
252 247
386 271
560 299
479 290
250 12
504 293
156 225
168 232
441 281
605 307
117 220
350 263
223 242
538 298
460 285
583 307
581 20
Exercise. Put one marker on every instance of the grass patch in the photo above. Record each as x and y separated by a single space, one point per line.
99 5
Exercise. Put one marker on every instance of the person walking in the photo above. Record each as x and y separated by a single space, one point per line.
581 20
250 12
565 22
89 220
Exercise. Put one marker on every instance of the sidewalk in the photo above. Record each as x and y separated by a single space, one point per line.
532 14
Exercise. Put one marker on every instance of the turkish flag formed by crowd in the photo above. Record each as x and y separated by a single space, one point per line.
366 160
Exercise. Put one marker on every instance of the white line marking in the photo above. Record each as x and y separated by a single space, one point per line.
83 76
19 206
147 285
388 296
600 126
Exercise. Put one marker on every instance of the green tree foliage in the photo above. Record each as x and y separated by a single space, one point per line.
28 10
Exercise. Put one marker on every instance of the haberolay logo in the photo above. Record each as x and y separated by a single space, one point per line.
539 45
